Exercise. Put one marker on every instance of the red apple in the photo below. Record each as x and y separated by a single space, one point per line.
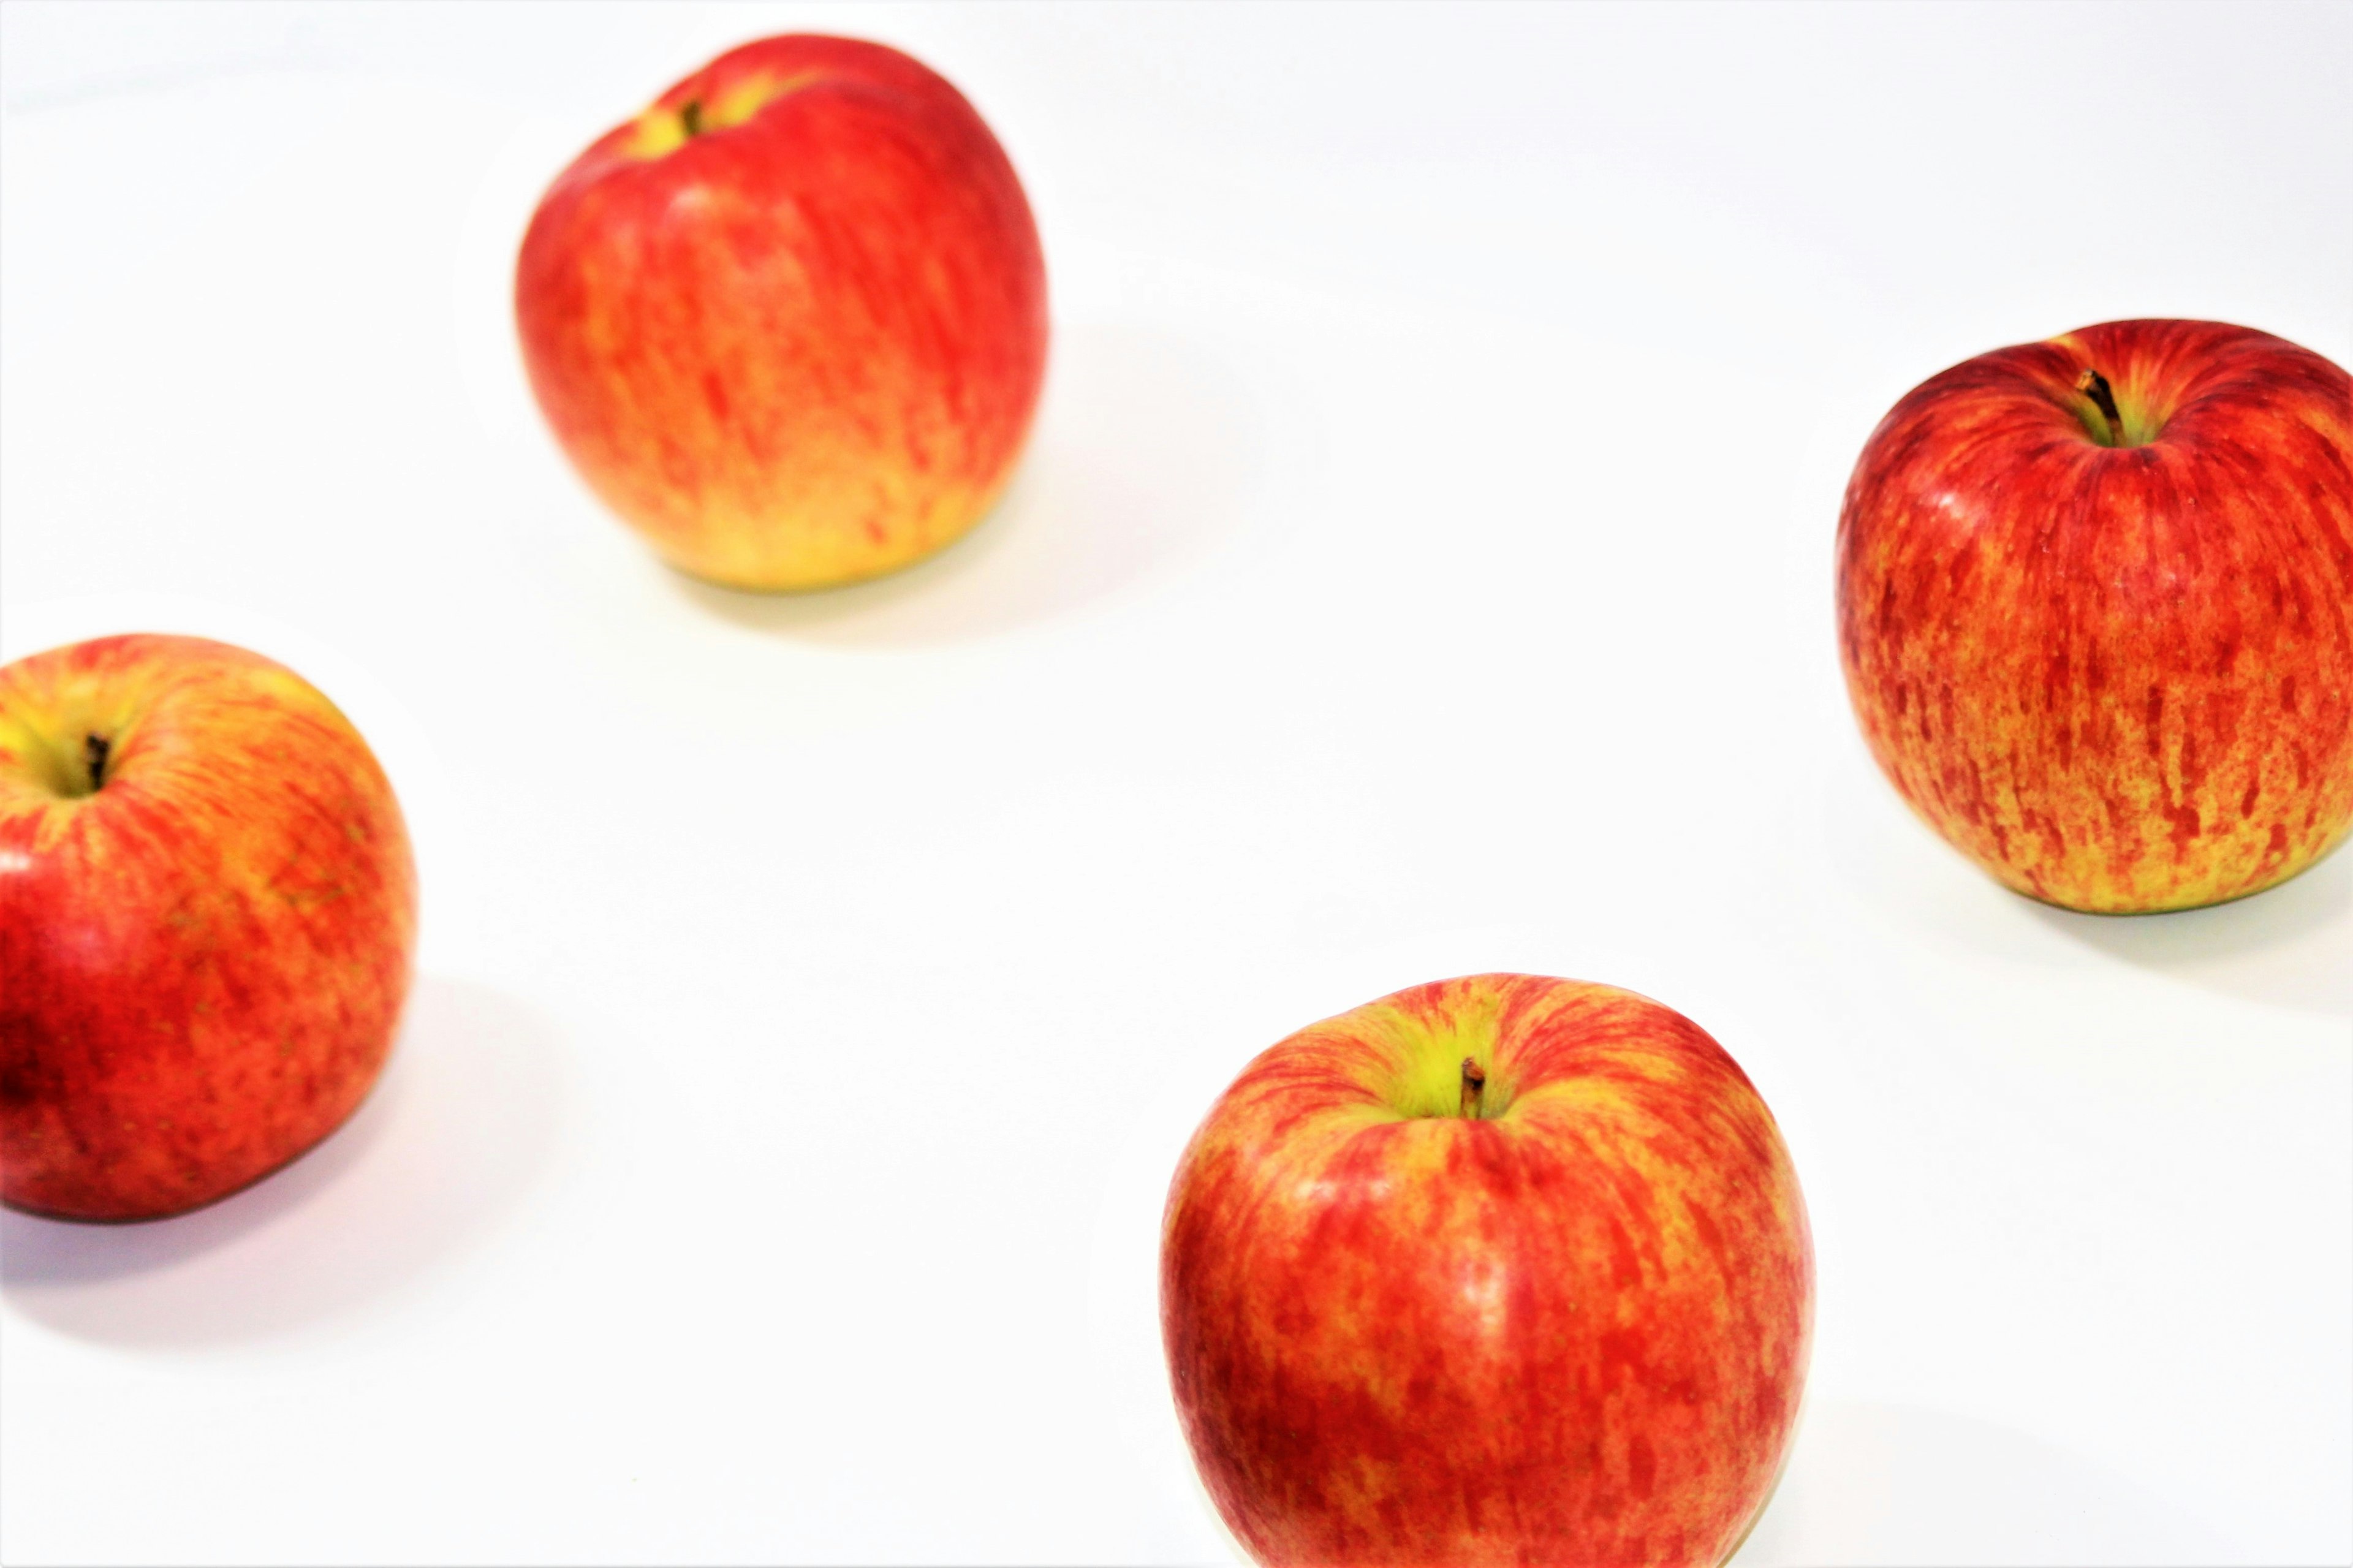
208 912
790 321
2095 609
1502 1270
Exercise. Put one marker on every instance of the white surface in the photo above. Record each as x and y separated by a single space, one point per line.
1423 565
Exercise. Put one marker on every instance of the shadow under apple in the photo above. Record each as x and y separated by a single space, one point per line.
2288 945
1143 450
1883 1486
2283 947
454 1134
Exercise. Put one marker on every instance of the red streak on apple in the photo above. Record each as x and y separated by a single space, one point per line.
790 323
2112 666
1560 1314
205 949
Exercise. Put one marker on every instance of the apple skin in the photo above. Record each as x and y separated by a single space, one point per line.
2118 677
202 960
1573 1328
801 346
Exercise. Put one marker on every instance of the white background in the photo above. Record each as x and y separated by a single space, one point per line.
1423 565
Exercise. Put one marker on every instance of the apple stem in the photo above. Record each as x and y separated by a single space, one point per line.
689 116
94 748
2094 385
1474 1085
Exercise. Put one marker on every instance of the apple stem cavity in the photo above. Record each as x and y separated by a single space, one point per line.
2094 385
690 117
95 749
1474 1088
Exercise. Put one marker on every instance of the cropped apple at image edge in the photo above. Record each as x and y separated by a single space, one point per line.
1503 1268
207 925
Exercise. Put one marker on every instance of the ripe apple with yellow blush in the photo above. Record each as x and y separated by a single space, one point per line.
789 322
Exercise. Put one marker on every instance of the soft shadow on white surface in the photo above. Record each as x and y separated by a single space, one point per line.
460 1125
2291 945
1882 1486
1144 448
2285 947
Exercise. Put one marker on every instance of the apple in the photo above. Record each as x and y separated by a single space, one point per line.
2095 611
1502 1269
790 321
207 915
